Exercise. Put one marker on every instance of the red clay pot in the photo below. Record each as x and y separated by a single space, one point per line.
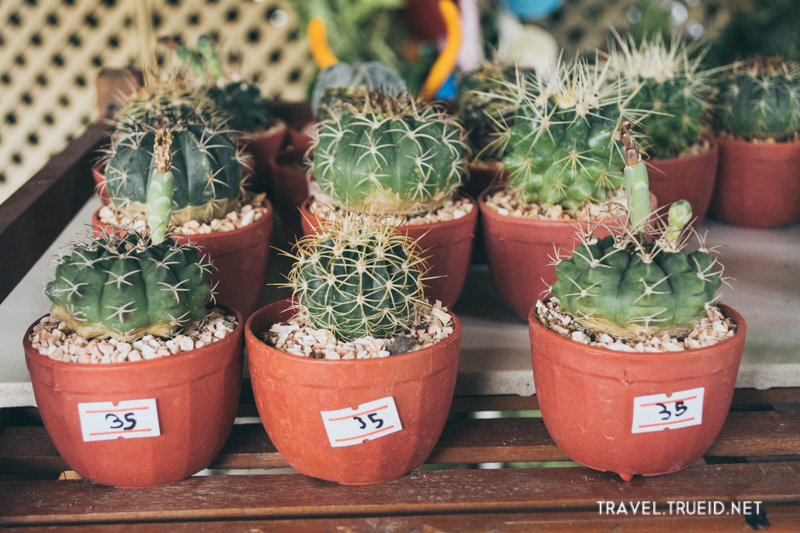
262 147
521 253
299 140
240 258
99 177
586 395
484 174
196 393
685 178
758 185
446 245
291 189
291 392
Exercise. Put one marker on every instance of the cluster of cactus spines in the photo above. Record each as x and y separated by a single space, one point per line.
641 282
243 102
358 277
127 286
343 83
167 103
760 99
388 156
668 79
560 147
484 116
206 164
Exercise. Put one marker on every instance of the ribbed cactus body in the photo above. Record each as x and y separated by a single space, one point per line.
344 83
248 109
357 279
761 99
127 287
628 291
389 157
205 165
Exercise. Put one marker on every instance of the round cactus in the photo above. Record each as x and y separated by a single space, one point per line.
560 145
388 156
641 282
128 287
760 99
358 278
342 83
668 79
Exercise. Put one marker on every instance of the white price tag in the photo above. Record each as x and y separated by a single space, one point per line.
657 412
128 420
371 420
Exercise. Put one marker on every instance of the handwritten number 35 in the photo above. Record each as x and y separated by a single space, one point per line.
680 408
117 422
373 417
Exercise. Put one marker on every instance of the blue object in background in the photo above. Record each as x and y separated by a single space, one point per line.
531 9
448 88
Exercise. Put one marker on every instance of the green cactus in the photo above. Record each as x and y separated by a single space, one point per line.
127 287
207 165
388 156
342 83
359 277
760 99
483 114
641 282
669 80
560 144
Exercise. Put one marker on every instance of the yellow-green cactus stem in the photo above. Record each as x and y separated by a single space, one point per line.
160 189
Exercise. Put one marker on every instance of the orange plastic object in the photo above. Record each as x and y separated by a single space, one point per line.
446 61
758 185
318 43
196 395
685 178
447 247
240 258
291 392
586 395
521 252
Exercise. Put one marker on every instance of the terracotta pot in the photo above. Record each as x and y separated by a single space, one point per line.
482 175
446 245
758 185
299 140
291 392
586 395
291 189
240 258
424 19
99 177
521 252
196 396
262 147
685 178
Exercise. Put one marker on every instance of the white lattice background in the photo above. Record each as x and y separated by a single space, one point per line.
51 51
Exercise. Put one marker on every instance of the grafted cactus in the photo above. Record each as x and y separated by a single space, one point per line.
760 99
388 156
128 287
560 144
641 282
206 164
669 80
342 83
358 277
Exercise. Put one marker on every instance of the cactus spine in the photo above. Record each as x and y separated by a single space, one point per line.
641 282
357 278
342 83
760 99
388 156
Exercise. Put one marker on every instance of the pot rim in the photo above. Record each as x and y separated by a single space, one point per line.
31 352
778 145
251 336
280 125
688 159
473 213
727 311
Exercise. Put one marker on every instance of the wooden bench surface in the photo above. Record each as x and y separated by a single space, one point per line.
755 458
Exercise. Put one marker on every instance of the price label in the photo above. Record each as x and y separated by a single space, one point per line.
372 420
659 411
130 419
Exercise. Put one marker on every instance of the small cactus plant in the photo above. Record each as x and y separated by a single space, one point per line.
669 80
388 156
342 83
359 277
207 165
559 145
641 282
760 99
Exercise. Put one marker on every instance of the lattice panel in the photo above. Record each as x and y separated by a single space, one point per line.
51 51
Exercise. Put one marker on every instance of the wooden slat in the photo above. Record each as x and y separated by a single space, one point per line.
780 518
427 492
754 434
